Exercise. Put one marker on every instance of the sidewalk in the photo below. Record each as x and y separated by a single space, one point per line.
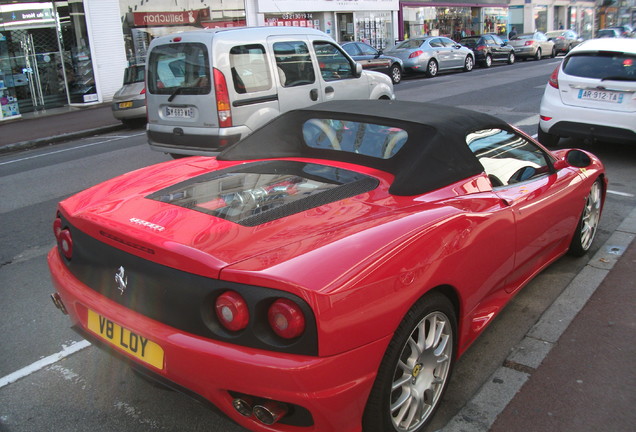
574 371
56 125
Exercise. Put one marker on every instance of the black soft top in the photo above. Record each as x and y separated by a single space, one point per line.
435 154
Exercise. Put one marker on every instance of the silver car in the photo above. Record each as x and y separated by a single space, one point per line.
432 54
564 40
532 45
129 102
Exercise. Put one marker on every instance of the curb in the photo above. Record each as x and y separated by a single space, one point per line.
479 414
41 142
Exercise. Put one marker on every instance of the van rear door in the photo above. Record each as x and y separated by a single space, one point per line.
298 78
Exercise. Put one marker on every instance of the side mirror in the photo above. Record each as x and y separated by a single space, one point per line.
575 158
358 70
380 52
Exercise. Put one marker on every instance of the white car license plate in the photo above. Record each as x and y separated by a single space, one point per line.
179 112
601 95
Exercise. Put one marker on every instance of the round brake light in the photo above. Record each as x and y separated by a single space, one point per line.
57 228
231 310
66 243
286 319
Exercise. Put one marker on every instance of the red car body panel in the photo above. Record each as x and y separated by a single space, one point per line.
359 263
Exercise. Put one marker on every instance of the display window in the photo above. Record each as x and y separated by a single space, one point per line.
45 59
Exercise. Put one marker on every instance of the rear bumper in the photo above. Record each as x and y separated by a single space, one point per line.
193 141
137 110
579 122
333 390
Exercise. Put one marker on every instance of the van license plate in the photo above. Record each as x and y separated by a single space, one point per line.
601 95
174 112
136 345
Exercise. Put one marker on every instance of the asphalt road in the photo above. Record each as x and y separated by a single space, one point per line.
89 390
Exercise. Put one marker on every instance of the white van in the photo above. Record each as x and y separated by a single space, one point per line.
207 89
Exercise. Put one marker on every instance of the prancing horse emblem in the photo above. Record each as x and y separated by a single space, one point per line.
122 280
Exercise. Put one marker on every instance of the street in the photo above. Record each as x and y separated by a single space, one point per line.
81 388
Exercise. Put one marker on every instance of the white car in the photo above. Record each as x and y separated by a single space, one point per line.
592 94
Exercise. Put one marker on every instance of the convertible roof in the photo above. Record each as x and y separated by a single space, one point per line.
435 154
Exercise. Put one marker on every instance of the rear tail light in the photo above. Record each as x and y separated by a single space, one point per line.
545 118
66 243
480 47
222 99
143 91
286 319
416 54
528 43
57 228
554 78
231 310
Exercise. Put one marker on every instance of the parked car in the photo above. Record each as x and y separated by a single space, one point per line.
373 59
592 94
208 89
344 253
532 45
625 30
564 40
489 48
608 33
129 102
432 54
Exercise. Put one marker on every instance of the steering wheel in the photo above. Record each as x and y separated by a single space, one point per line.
398 137
328 131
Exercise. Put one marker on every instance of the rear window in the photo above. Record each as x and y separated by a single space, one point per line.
179 67
602 65
134 74
411 43
378 141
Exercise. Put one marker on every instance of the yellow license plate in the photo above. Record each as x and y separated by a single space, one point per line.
138 346
123 105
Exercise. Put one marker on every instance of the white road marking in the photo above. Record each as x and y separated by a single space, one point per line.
69 149
625 194
42 363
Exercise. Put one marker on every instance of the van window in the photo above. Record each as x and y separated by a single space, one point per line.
250 72
294 64
179 67
334 65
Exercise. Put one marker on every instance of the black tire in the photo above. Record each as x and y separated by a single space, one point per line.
424 373
469 63
537 56
553 53
511 58
488 62
396 73
432 68
588 222
547 139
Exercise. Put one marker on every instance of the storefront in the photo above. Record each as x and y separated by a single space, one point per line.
45 58
452 19
547 15
370 21
146 20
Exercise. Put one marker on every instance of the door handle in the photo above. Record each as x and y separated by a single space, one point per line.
329 89
313 95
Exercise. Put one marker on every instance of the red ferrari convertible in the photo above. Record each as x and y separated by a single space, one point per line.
324 273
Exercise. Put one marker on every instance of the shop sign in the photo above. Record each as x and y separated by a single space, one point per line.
160 19
25 16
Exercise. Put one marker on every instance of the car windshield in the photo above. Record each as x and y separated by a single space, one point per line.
602 65
368 139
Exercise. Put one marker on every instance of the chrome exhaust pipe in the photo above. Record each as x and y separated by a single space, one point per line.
57 301
244 405
269 412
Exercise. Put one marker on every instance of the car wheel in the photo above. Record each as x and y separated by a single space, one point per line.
511 58
588 223
553 53
488 62
396 74
547 139
431 68
415 370
537 56
469 63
